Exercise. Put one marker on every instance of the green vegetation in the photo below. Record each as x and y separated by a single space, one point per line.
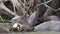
5 18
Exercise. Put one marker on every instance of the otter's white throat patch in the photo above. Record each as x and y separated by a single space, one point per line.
15 25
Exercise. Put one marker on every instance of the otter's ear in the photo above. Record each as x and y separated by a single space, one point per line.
33 18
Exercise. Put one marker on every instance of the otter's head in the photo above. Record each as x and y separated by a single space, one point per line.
17 23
